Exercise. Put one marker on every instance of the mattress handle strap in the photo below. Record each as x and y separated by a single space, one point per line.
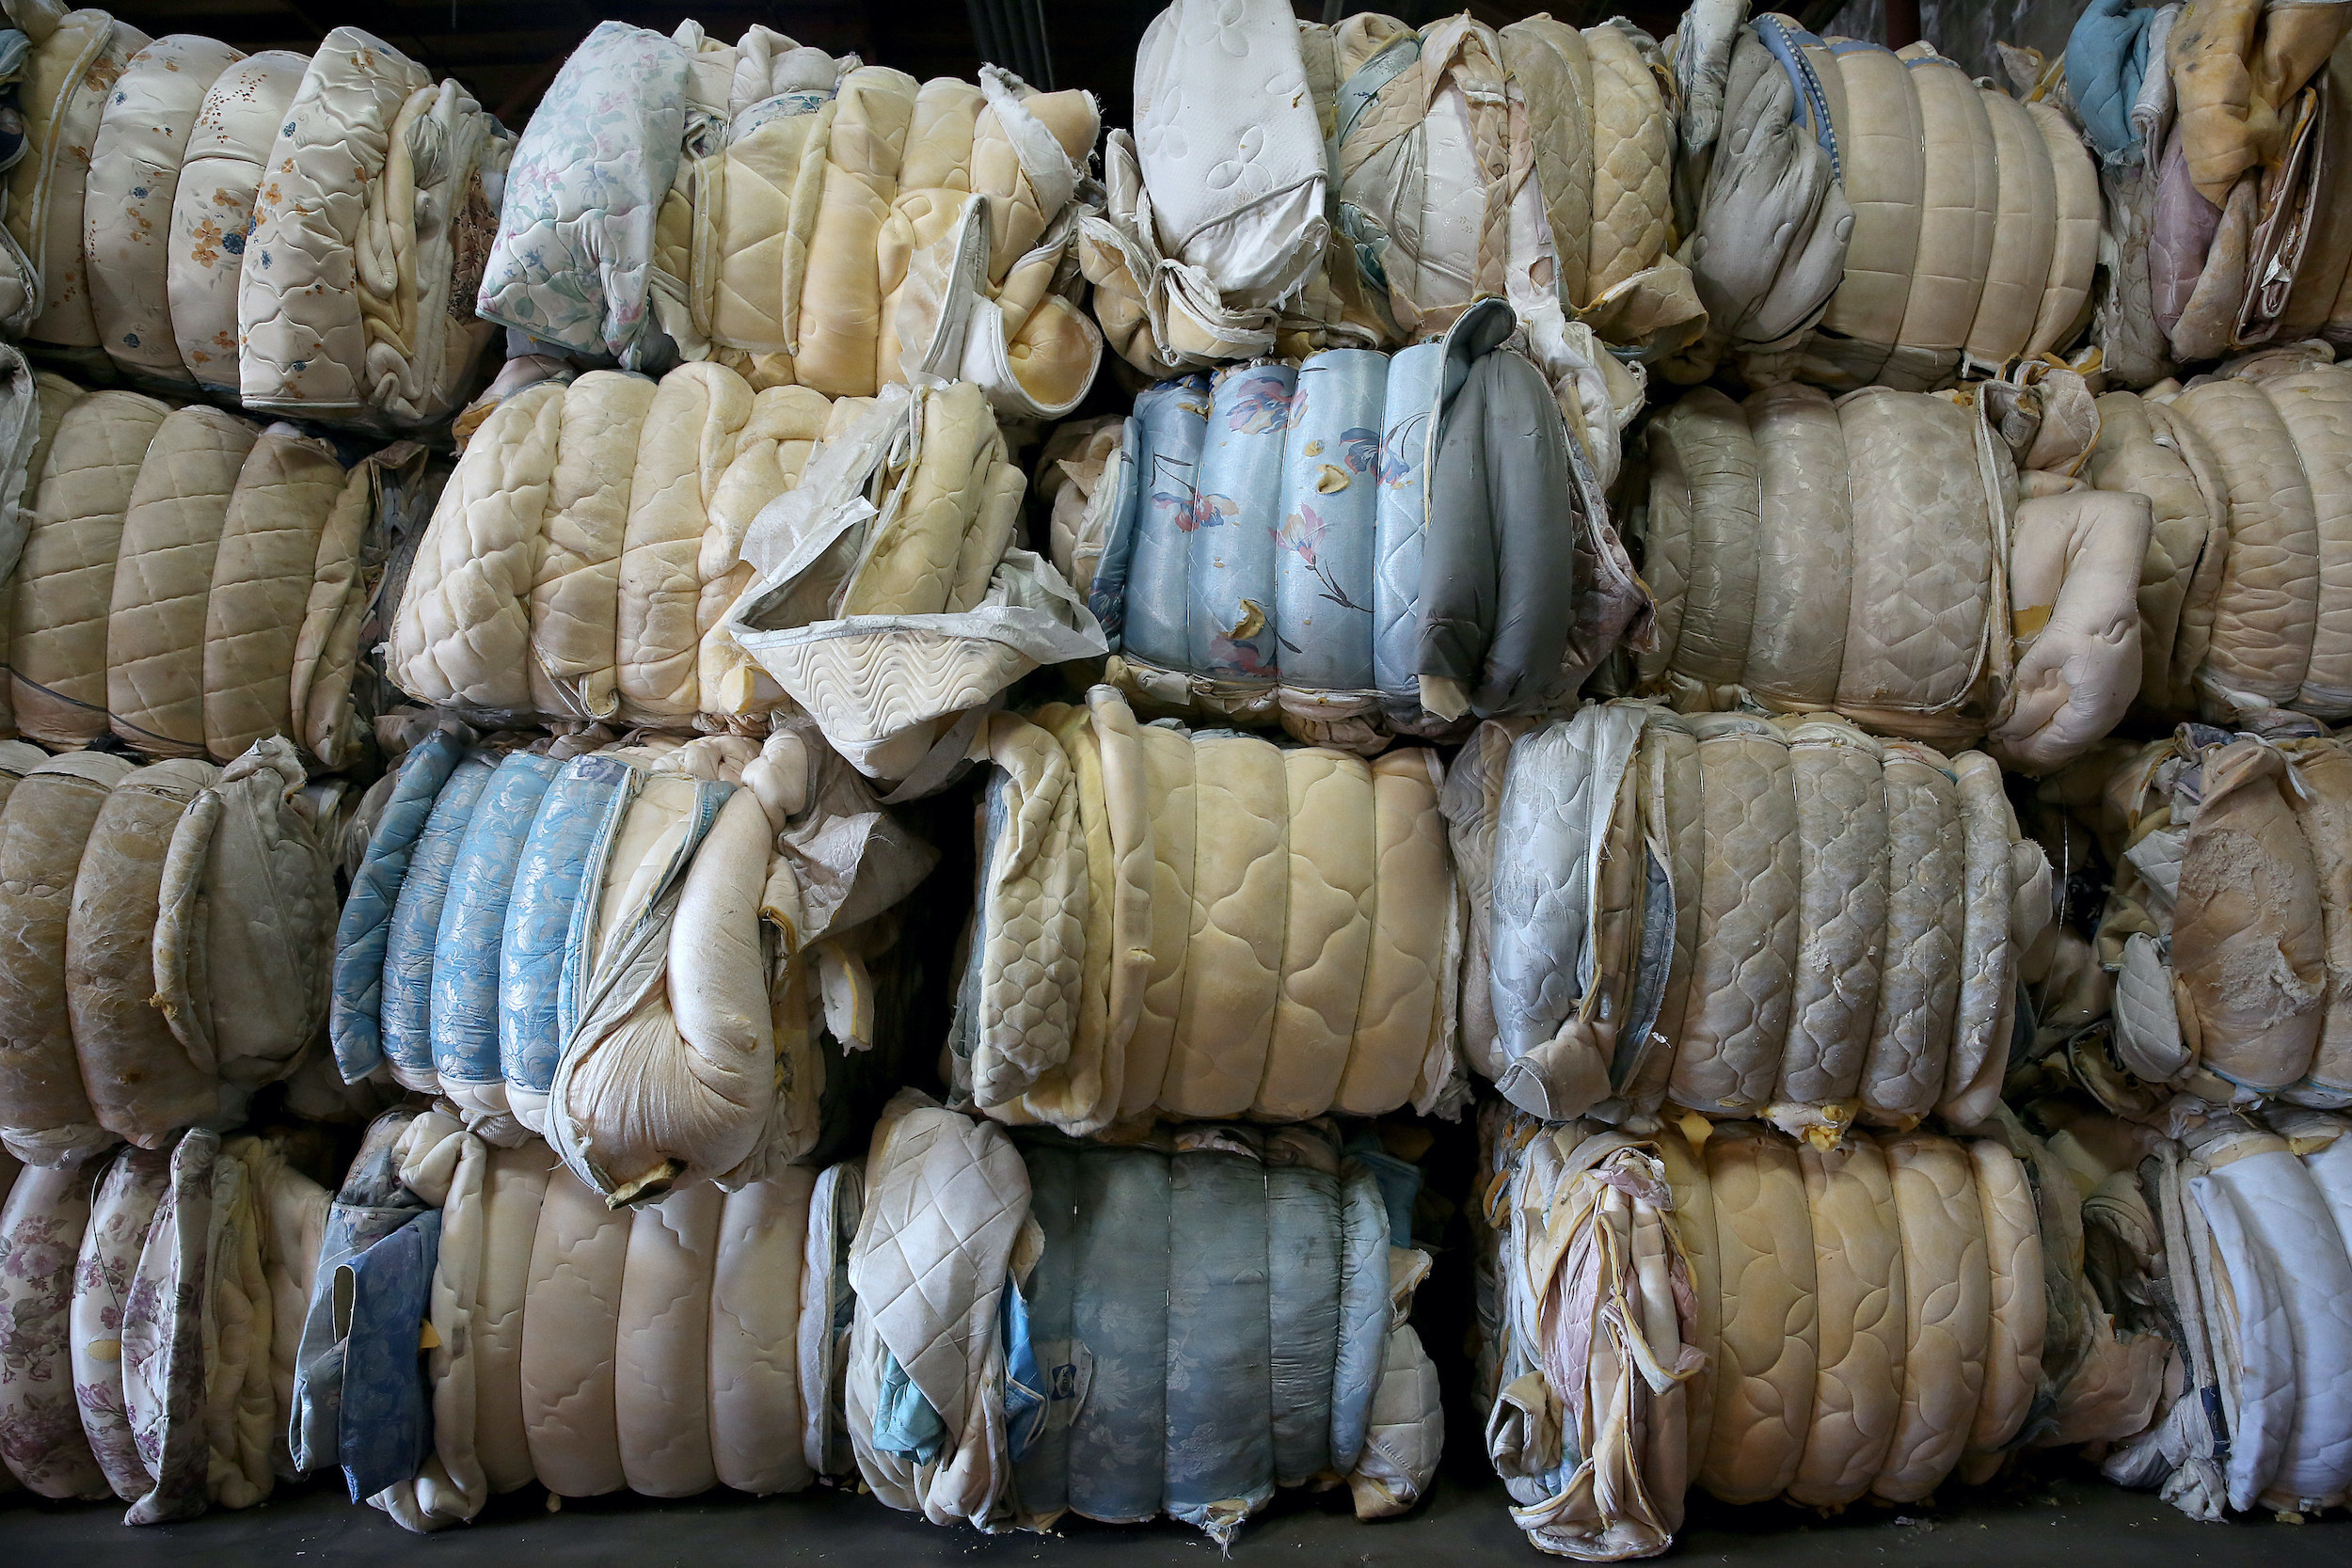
1996 651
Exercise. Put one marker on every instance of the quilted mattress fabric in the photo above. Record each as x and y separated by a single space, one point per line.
946 1200
757 1417
421 255
1861 1335
1109 772
65 580
930 257
1427 162
293 1213
122 1206
1028 952
690 436
44 1223
217 558
1168 1287
1956 217
1765 1372
588 177
2249 953
242 948
1235 951
143 1084
660 1385
2020 1307
330 697
1597 1454
2024 225
362 931
1342 546
1924 538
35 403
464 998
548 875
92 50
64 46
50 1118
302 344
1995 264
1794 940
1299 966
1741 977
840 321
2147 447
2325 773
211 209
587 557
463 629
1258 235
1814 554
1882 146
575 592
1632 161
1845 875
1958 228
134 177
263 573
672 1070
1445 192
2274 439
2270 1216
2074 561
1552 64
1858 1273
2266 614
164 568
2075 243
1770 219
1911 1036
568 1337
515 1184
752 231
1219 1351
414 924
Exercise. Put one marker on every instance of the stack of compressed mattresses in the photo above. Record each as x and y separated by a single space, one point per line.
808 220
191 581
1863 216
303 237
1926 564
2229 924
2231 1242
691 554
979 1327
2223 141
1357 545
156 1299
191 584
626 950
165 935
1844 856
1764 1320
1393 176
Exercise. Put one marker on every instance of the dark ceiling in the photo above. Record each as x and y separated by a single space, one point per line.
505 51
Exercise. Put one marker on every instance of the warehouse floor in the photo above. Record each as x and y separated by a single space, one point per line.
2080 1522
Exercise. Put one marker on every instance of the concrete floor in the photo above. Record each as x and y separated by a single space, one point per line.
2080 1522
